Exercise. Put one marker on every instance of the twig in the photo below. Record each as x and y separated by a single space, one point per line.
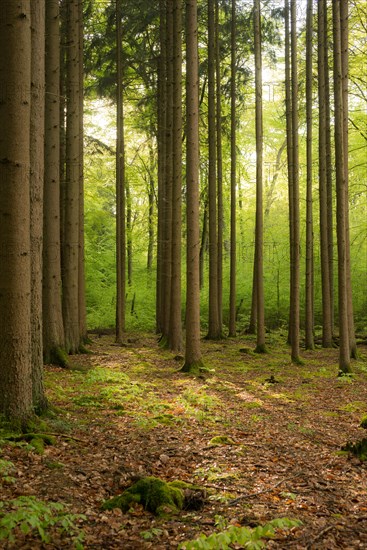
252 495
321 534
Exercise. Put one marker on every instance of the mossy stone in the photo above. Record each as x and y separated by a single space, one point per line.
364 422
155 495
219 440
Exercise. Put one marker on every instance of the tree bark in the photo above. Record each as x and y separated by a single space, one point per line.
15 247
219 165
193 359
53 328
36 197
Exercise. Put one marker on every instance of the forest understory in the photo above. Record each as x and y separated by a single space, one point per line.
262 436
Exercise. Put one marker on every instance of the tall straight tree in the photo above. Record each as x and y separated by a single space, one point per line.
295 235
120 187
214 331
193 360
344 34
161 139
36 197
233 259
70 292
167 200
341 195
219 164
175 329
324 200
15 247
53 328
289 125
309 322
81 264
260 332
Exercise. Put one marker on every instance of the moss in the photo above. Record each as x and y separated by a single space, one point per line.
358 449
261 349
221 440
196 367
58 356
158 496
363 423
155 495
38 441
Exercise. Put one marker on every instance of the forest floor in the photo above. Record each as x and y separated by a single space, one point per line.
126 412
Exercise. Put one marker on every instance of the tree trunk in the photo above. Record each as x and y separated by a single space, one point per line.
81 265
309 321
151 209
214 331
36 197
161 109
15 249
204 243
327 333
219 165
295 238
192 353
341 194
53 328
71 212
129 233
233 259
260 332
120 188
175 324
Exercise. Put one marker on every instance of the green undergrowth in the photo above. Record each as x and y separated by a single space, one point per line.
242 537
27 515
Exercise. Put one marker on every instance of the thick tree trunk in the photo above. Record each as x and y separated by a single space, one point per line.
36 198
175 324
53 328
192 353
71 213
15 247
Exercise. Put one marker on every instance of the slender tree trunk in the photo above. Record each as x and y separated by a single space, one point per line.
219 165
151 209
71 212
193 359
295 241
36 197
214 331
344 34
167 249
260 341
53 328
309 323
204 243
289 126
341 194
161 114
120 188
233 258
129 233
327 336
15 247
175 324
81 265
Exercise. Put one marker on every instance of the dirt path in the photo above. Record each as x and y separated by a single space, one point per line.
131 412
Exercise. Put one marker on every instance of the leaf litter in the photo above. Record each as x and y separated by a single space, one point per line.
130 413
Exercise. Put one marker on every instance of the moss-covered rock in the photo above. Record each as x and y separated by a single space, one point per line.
220 440
358 449
155 495
364 422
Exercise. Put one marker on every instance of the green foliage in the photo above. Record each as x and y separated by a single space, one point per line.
243 536
6 469
28 515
